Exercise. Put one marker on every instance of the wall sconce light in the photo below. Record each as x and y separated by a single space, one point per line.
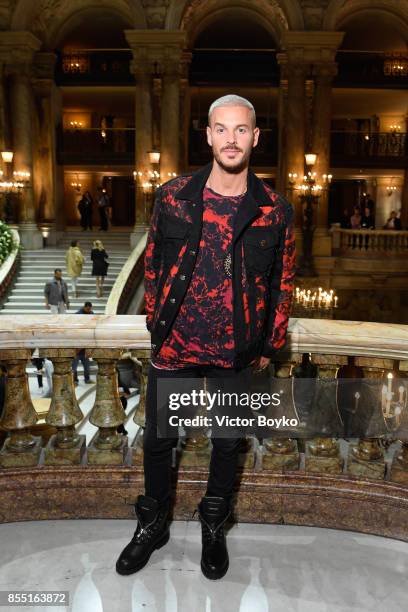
154 157
7 156
310 159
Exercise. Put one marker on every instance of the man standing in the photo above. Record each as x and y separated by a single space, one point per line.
81 354
56 294
219 272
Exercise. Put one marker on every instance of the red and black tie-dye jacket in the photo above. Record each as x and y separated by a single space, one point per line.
263 263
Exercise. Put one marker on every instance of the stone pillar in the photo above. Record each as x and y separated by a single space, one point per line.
155 52
404 201
18 48
322 113
49 177
282 171
142 67
170 110
185 112
295 129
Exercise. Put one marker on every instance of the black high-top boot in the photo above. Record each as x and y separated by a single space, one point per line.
152 532
213 512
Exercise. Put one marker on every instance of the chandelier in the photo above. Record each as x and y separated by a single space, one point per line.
314 303
396 65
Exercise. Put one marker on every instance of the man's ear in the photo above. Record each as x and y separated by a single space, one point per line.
256 136
209 135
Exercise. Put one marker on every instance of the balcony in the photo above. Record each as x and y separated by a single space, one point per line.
94 67
96 146
371 69
377 150
357 482
234 66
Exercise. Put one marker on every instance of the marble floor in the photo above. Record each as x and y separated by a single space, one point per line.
273 568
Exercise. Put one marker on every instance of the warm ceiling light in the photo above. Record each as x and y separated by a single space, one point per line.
7 156
310 159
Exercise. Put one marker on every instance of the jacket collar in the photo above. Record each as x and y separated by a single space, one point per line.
193 189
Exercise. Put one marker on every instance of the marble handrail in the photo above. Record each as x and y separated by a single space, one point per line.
8 269
118 288
351 338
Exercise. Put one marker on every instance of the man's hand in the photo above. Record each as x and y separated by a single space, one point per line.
260 363
47 305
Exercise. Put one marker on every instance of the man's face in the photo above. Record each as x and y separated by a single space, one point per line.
58 274
232 136
87 309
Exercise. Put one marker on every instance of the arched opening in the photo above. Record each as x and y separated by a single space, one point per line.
234 51
369 104
96 137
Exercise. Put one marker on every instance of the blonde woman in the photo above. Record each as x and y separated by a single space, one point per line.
74 261
99 265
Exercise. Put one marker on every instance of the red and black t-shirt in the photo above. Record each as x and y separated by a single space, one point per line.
202 332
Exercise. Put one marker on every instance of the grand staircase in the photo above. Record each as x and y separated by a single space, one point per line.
27 295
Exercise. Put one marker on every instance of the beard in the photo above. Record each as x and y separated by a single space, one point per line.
236 167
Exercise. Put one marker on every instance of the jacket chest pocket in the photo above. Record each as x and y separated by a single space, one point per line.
174 232
260 247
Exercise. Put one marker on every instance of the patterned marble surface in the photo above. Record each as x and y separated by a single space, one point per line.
276 568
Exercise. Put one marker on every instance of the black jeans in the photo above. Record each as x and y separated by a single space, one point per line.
158 451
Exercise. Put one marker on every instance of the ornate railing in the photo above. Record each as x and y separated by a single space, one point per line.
9 268
325 480
96 145
369 243
130 277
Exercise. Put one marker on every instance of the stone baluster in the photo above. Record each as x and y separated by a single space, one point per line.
107 447
194 450
21 448
323 453
66 447
399 466
366 458
143 356
281 453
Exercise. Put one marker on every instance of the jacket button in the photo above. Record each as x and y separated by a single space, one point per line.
192 252
193 204
172 300
182 277
162 322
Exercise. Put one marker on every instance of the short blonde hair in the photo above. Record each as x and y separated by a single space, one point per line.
232 100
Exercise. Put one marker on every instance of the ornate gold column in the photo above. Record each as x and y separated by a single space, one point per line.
19 48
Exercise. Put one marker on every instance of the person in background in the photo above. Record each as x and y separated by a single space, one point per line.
345 219
393 222
88 210
56 294
82 211
74 261
99 265
81 354
103 205
38 363
355 219
367 222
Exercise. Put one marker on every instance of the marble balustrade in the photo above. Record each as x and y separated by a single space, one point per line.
323 348
370 242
